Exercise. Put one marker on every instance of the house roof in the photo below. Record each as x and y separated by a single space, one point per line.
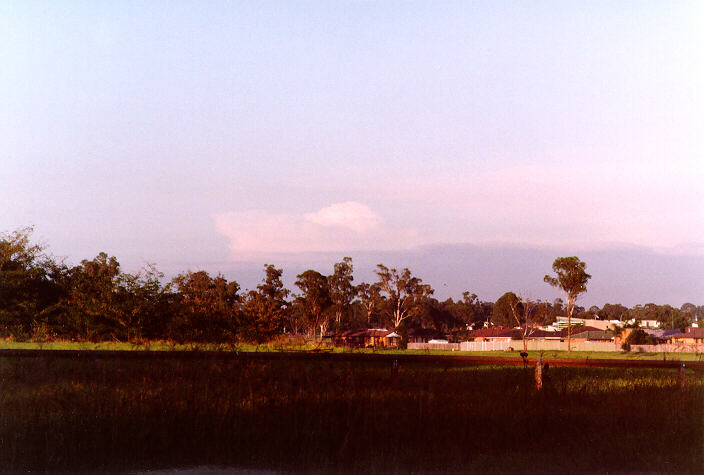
577 330
543 334
689 333
594 335
661 334
369 332
695 332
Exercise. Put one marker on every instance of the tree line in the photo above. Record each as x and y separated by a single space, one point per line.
42 298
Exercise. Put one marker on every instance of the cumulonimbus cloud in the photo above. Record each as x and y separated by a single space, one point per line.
348 226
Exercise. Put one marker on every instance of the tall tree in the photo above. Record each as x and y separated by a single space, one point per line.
342 292
503 311
315 298
147 304
208 308
264 309
370 298
28 286
405 292
570 277
613 312
94 308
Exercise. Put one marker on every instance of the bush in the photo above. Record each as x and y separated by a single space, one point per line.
639 337
626 347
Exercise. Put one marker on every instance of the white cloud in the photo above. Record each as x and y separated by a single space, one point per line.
350 214
348 226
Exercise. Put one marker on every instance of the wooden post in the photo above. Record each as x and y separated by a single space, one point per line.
394 368
538 375
682 376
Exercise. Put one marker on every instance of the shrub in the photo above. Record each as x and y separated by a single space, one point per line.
639 337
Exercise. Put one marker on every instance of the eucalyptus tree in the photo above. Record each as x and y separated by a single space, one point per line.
505 309
341 290
315 299
570 277
370 298
405 293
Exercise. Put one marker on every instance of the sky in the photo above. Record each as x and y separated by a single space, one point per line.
473 142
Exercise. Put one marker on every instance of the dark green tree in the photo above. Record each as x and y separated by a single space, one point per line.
265 309
315 299
342 292
28 284
207 308
94 309
503 312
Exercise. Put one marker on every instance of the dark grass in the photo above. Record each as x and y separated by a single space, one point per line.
328 415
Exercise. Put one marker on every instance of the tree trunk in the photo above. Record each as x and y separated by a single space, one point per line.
397 314
569 332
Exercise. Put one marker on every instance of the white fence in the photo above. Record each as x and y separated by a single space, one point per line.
553 345
434 346
538 345
487 345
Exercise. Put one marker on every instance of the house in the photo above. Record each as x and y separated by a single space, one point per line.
376 337
574 331
494 334
661 335
424 335
392 339
593 335
372 337
354 338
561 323
644 323
691 336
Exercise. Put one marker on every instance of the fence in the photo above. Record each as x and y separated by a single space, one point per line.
434 346
486 345
538 345
552 345
669 348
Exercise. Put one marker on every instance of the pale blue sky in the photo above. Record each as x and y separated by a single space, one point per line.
219 135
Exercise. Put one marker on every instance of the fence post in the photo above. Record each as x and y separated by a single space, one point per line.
682 376
538 375
394 368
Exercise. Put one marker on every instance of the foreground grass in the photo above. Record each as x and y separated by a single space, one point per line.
122 414
169 346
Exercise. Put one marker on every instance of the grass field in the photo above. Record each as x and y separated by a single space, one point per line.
166 346
60 413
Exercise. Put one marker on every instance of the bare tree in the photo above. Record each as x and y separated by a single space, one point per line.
523 313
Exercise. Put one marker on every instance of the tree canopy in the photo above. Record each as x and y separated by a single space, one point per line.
96 300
